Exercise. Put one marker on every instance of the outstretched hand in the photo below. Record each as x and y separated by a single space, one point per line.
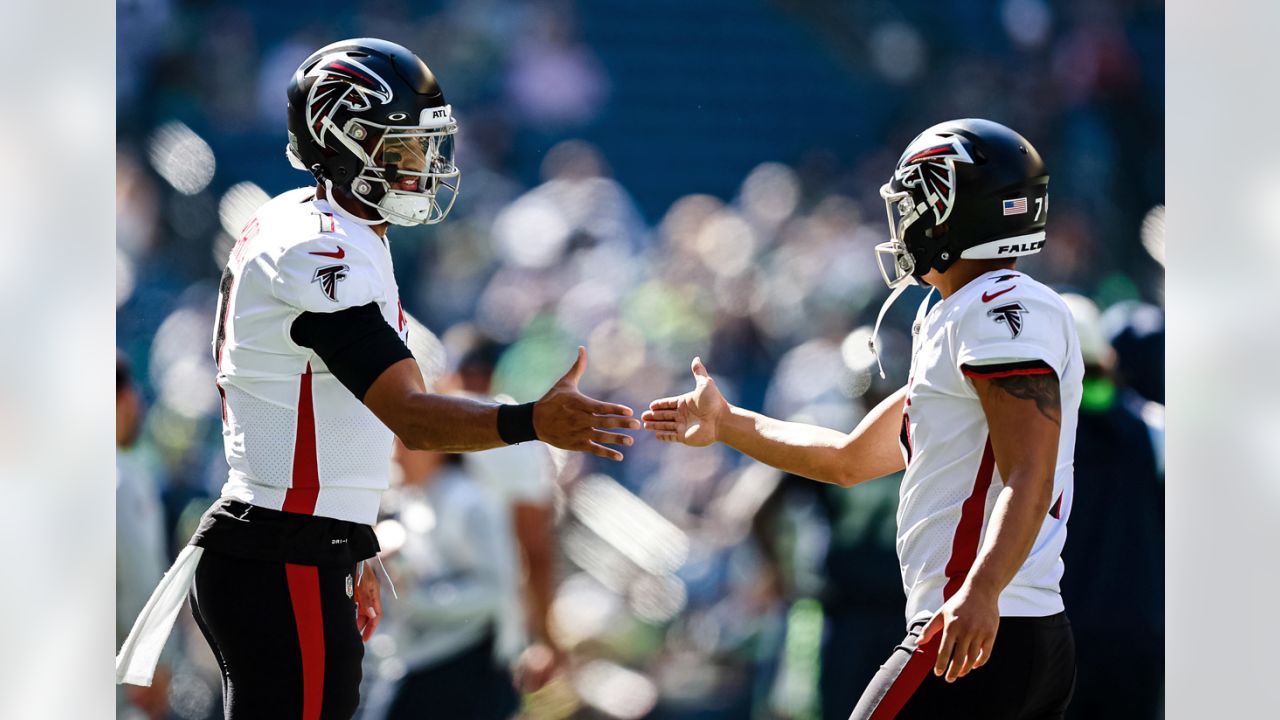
569 420
691 418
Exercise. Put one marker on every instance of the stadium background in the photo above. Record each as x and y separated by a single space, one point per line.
655 182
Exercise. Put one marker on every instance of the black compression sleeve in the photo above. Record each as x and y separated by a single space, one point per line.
357 344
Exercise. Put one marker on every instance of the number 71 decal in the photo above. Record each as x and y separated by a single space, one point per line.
1042 207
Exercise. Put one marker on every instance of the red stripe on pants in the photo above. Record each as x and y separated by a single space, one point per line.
964 547
913 673
964 550
301 495
304 593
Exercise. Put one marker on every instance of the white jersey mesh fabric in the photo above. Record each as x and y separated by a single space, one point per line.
295 438
951 482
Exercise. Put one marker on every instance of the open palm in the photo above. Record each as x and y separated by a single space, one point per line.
690 418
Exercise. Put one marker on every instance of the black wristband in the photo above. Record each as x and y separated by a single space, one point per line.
515 423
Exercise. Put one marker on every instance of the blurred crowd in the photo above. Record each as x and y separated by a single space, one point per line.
655 182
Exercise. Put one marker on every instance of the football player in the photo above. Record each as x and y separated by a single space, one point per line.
315 378
984 428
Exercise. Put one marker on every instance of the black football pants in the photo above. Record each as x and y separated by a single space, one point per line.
1029 677
284 635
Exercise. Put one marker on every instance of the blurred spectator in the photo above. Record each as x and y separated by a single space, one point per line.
141 558
828 544
1136 331
519 478
554 81
1117 540
452 624
862 592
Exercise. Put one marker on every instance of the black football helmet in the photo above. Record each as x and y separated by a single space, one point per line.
368 116
962 189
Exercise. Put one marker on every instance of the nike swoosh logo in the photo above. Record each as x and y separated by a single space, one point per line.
338 255
988 297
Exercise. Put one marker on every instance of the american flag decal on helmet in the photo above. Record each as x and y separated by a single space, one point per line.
328 277
932 169
341 81
1010 314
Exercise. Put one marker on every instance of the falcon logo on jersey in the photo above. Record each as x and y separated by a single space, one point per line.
933 170
328 277
1010 315
341 81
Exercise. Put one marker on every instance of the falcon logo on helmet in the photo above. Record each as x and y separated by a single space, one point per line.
342 81
1010 315
328 277
933 171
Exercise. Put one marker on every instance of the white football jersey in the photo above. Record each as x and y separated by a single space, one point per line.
296 439
1002 320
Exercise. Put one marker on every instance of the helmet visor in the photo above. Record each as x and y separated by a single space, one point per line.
417 167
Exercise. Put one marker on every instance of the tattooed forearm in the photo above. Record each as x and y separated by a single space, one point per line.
1041 388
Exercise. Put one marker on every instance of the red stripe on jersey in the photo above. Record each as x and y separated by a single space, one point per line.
906 436
304 593
1056 510
224 304
302 493
1007 373
908 680
964 546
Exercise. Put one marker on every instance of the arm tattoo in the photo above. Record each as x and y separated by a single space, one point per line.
1041 388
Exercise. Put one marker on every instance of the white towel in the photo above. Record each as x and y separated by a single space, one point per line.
136 663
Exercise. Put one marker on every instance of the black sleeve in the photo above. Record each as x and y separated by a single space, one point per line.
357 344
1006 369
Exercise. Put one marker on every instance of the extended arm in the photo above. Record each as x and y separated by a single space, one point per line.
702 416
563 417
370 360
